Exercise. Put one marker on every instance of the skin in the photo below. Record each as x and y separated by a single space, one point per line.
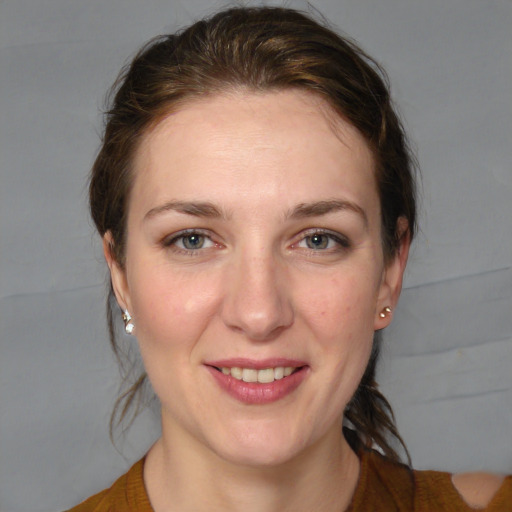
477 489
272 279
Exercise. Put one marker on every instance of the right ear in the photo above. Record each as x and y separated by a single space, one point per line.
117 274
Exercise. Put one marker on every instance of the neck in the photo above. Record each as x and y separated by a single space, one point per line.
187 476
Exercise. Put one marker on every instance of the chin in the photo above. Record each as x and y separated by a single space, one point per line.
258 457
261 447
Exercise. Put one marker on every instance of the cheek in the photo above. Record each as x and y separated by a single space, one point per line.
172 308
171 312
339 316
340 306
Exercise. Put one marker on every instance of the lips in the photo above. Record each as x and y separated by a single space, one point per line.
260 382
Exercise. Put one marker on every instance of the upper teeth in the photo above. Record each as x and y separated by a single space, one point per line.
263 376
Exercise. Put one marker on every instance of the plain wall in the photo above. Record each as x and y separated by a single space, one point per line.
447 360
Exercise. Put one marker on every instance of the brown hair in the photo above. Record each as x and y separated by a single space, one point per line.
258 49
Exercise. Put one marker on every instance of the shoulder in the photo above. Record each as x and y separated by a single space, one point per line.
127 493
425 491
95 503
477 489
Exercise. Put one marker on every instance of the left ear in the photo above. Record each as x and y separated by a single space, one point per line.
392 277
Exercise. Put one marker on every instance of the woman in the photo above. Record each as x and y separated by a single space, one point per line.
255 196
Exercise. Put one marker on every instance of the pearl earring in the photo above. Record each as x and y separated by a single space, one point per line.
128 324
385 312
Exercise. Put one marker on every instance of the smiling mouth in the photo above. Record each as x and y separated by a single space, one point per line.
263 376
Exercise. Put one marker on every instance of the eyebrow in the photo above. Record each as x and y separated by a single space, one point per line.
319 208
197 209
301 211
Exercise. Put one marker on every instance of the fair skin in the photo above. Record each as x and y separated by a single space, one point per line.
477 489
281 266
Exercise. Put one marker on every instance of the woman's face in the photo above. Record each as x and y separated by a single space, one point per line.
254 250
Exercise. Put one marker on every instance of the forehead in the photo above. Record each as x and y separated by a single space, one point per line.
283 109
287 145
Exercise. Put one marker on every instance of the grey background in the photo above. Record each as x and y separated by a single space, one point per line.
447 362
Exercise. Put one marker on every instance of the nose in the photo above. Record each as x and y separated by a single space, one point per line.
257 301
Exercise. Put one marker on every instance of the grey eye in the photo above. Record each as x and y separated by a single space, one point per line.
318 241
193 241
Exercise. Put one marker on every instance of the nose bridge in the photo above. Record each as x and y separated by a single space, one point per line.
257 300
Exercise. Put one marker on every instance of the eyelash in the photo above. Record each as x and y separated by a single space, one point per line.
171 242
342 243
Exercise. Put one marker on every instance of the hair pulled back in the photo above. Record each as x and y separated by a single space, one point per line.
257 49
